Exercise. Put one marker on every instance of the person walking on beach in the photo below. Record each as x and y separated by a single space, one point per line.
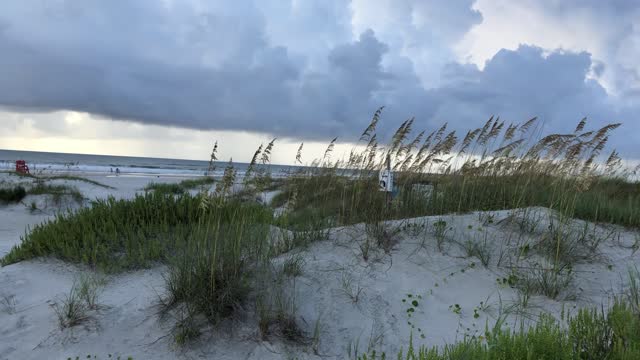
117 171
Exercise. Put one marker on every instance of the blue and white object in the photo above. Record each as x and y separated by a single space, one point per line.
385 180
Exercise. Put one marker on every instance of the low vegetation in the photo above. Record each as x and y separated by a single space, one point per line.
115 234
17 193
12 195
211 269
220 243
494 167
196 183
181 187
75 178
165 188
43 178
57 192
80 304
591 334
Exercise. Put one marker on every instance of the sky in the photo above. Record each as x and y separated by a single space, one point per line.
168 78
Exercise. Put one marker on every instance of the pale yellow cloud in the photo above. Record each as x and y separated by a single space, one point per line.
75 132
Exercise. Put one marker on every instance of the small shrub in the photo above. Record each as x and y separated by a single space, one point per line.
194 183
181 187
12 195
57 192
170 188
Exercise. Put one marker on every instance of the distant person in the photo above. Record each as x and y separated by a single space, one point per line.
117 171
111 169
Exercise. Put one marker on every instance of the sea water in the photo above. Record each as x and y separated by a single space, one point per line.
46 162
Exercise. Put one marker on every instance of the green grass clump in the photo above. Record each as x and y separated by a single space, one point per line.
498 166
111 234
195 183
61 177
75 178
119 234
14 194
56 191
165 188
181 187
348 200
212 246
212 271
590 335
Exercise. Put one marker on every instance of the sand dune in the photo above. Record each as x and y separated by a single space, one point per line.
343 303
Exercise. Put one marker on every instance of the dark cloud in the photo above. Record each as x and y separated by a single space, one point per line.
520 84
216 66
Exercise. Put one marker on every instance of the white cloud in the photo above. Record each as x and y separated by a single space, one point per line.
74 71
609 30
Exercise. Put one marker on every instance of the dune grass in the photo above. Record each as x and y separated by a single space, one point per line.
212 246
343 198
57 192
592 334
211 274
118 234
195 183
12 195
61 177
498 166
165 188
181 187
75 178
215 243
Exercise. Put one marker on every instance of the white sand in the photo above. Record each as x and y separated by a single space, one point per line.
128 325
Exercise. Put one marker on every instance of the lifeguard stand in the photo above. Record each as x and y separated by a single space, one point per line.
21 167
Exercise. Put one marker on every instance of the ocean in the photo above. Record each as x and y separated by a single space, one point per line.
85 163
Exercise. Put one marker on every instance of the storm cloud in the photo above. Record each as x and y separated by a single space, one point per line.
306 70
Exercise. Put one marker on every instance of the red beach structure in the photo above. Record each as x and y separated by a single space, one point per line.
21 167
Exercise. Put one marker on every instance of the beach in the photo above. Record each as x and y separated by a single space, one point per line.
343 304
320 180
